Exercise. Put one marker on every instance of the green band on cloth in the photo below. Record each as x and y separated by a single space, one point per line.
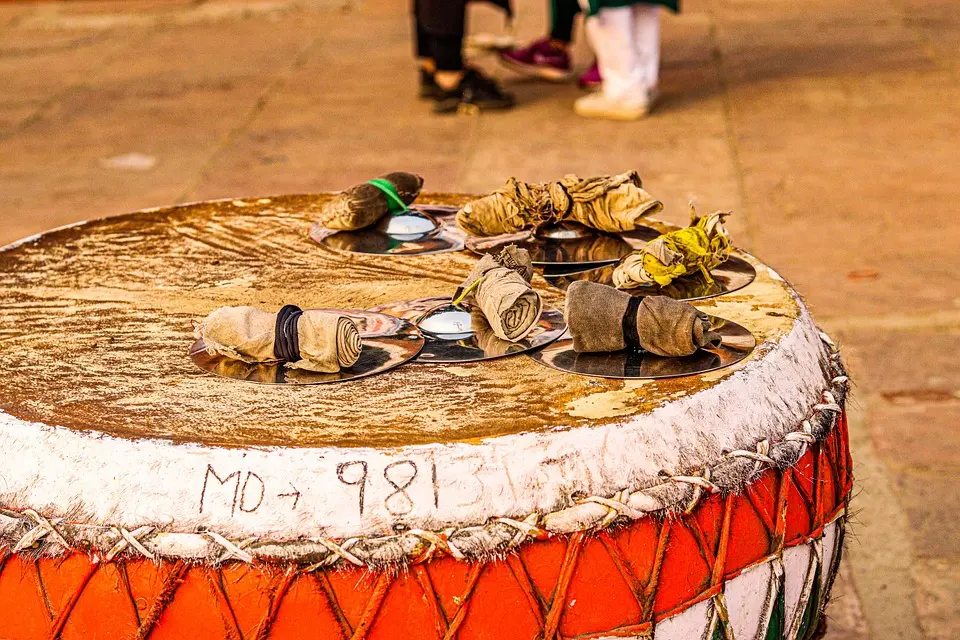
394 202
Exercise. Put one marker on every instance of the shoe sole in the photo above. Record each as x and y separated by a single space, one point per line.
612 115
469 108
544 73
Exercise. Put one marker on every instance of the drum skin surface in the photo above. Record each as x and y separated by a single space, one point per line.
141 498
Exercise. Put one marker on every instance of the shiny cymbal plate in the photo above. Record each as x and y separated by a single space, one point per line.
737 344
421 229
388 342
453 334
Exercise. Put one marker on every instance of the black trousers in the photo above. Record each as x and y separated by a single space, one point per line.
440 25
562 13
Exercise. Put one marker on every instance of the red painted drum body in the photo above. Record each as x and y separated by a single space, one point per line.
490 501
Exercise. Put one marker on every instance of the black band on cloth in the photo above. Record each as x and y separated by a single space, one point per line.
286 340
631 336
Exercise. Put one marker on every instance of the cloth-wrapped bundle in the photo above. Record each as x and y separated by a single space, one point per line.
311 340
499 286
602 319
702 246
607 203
362 205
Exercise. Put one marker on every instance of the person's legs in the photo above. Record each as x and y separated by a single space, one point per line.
624 94
423 52
444 23
562 15
611 35
548 58
647 43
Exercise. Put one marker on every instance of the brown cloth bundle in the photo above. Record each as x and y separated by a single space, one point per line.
499 286
327 341
607 203
362 205
602 319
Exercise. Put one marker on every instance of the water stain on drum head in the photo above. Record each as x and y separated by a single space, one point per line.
96 320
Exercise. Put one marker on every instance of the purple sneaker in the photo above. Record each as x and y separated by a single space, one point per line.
591 79
541 59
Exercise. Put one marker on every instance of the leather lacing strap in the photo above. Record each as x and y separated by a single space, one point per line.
286 339
631 335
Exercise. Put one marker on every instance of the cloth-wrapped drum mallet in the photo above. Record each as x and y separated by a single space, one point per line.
702 246
311 340
499 286
602 319
607 203
364 204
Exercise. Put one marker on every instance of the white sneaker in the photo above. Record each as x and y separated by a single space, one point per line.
598 105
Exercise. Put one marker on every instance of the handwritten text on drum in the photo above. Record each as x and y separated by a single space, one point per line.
378 488
247 491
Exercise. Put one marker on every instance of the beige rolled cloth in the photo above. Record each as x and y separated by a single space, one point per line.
607 203
362 205
328 341
499 286
599 318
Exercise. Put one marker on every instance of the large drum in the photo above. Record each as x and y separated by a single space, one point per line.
141 497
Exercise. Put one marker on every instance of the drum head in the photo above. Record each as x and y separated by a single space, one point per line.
737 344
568 245
734 274
388 342
421 229
453 334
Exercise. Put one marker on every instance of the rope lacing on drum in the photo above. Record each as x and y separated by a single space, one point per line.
616 506
760 457
526 528
44 529
130 539
699 483
342 550
231 550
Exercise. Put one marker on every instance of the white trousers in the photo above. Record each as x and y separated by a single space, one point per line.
627 43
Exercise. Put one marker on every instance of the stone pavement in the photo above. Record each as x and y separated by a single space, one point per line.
830 127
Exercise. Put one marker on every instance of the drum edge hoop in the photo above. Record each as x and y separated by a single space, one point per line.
28 529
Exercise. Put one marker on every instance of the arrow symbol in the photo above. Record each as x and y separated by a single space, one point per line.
295 494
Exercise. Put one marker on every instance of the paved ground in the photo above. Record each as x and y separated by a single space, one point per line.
829 126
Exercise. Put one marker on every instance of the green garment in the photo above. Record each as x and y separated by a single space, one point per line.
596 5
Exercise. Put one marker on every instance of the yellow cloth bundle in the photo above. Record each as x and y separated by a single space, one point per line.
606 203
702 246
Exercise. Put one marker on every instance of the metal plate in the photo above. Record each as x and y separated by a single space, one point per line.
737 344
568 245
387 341
420 230
734 274
455 335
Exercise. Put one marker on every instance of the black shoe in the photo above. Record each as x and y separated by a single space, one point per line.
475 91
429 89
